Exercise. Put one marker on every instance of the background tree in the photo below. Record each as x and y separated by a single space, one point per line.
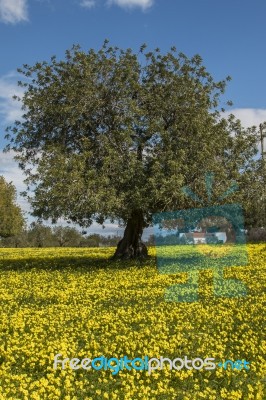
113 134
110 240
150 241
11 217
92 240
254 195
40 235
19 240
67 236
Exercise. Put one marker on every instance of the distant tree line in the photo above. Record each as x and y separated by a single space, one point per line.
253 235
39 235
14 233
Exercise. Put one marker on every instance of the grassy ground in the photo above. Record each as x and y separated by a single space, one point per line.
78 303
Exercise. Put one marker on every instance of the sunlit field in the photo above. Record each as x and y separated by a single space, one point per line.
78 303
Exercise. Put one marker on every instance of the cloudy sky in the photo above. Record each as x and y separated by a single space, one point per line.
229 35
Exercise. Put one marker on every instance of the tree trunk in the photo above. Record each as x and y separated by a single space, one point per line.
131 245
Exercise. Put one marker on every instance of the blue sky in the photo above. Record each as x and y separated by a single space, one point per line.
229 35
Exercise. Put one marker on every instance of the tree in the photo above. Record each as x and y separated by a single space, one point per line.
113 134
40 235
67 236
19 240
92 240
11 217
150 241
254 195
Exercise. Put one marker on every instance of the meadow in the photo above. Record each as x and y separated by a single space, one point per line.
78 303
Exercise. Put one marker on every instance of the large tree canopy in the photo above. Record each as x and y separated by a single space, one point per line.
11 218
113 134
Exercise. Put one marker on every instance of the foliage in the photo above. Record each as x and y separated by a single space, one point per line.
19 240
117 134
39 235
257 235
11 217
254 195
67 236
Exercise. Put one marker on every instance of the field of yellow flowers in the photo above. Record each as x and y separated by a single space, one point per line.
78 303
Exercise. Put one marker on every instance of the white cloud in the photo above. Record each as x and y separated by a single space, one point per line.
13 11
144 4
10 170
10 109
248 116
88 3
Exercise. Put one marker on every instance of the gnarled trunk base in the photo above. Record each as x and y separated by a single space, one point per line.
131 246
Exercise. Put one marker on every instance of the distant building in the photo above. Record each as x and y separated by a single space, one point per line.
202 237
221 236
